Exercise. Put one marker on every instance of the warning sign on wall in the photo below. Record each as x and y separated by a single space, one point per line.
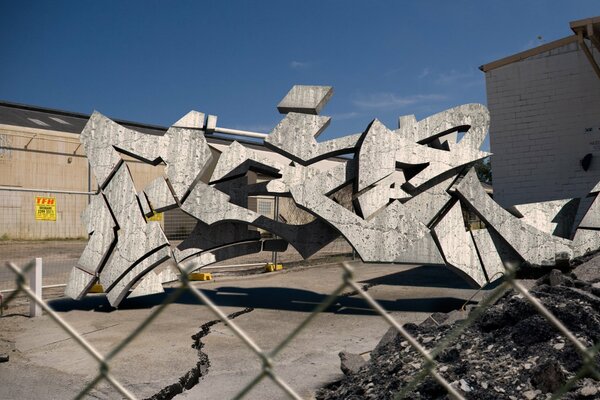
45 208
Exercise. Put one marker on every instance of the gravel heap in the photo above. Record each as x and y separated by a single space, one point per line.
510 352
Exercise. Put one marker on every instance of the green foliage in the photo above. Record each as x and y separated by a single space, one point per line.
484 170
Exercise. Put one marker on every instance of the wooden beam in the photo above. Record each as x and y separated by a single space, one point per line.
588 53
592 36
576 25
595 41
590 29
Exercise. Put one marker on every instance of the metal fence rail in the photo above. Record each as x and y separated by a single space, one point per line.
52 231
269 370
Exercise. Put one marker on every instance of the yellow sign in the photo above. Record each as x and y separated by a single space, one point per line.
45 208
155 217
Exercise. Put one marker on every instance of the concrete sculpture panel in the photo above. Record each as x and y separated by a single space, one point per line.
458 246
411 190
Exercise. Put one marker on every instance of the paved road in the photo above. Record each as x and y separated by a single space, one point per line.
48 364
58 256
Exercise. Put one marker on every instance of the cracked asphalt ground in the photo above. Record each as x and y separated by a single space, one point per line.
46 363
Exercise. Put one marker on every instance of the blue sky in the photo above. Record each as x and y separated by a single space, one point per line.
153 61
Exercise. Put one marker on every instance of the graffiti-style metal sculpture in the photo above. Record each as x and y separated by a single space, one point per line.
411 188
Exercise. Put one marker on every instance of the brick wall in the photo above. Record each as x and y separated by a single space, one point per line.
545 116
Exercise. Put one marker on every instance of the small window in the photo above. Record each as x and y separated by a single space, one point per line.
60 121
38 122
265 207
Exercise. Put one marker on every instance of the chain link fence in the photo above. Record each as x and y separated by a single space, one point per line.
347 282
41 224
46 224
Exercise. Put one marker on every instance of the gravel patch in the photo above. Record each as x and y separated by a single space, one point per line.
509 352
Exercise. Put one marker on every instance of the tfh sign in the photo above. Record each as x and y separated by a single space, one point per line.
410 187
45 208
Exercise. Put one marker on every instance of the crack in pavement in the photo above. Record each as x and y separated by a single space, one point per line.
192 377
364 287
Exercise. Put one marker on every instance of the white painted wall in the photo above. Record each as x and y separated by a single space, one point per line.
545 116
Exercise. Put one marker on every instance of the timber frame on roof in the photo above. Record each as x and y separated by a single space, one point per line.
588 28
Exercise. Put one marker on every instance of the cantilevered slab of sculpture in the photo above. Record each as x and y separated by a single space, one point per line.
305 99
295 137
411 188
457 245
535 246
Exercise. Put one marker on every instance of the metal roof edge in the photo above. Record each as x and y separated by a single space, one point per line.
528 53
74 114
210 137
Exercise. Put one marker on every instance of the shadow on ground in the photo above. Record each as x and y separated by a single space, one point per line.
437 276
274 298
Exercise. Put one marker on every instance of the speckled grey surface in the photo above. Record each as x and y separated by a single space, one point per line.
150 284
490 256
378 196
191 120
237 159
79 283
121 287
295 138
591 220
212 206
391 235
183 150
535 246
306 99
585 241
159 195
101 227
428 204
542 216
475 116
138 241
457 245
410 187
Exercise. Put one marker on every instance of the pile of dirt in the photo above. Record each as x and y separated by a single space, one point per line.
509 352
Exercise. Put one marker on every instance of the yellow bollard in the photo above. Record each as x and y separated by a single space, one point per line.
97 288
270 267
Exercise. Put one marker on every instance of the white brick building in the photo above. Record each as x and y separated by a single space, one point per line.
545 117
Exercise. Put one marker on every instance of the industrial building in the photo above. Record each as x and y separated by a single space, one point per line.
545 118
42 160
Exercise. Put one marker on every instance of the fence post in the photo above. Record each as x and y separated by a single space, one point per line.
35 283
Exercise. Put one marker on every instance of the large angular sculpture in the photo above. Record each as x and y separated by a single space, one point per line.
411 189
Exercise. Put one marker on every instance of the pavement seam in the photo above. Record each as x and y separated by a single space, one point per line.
71 338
